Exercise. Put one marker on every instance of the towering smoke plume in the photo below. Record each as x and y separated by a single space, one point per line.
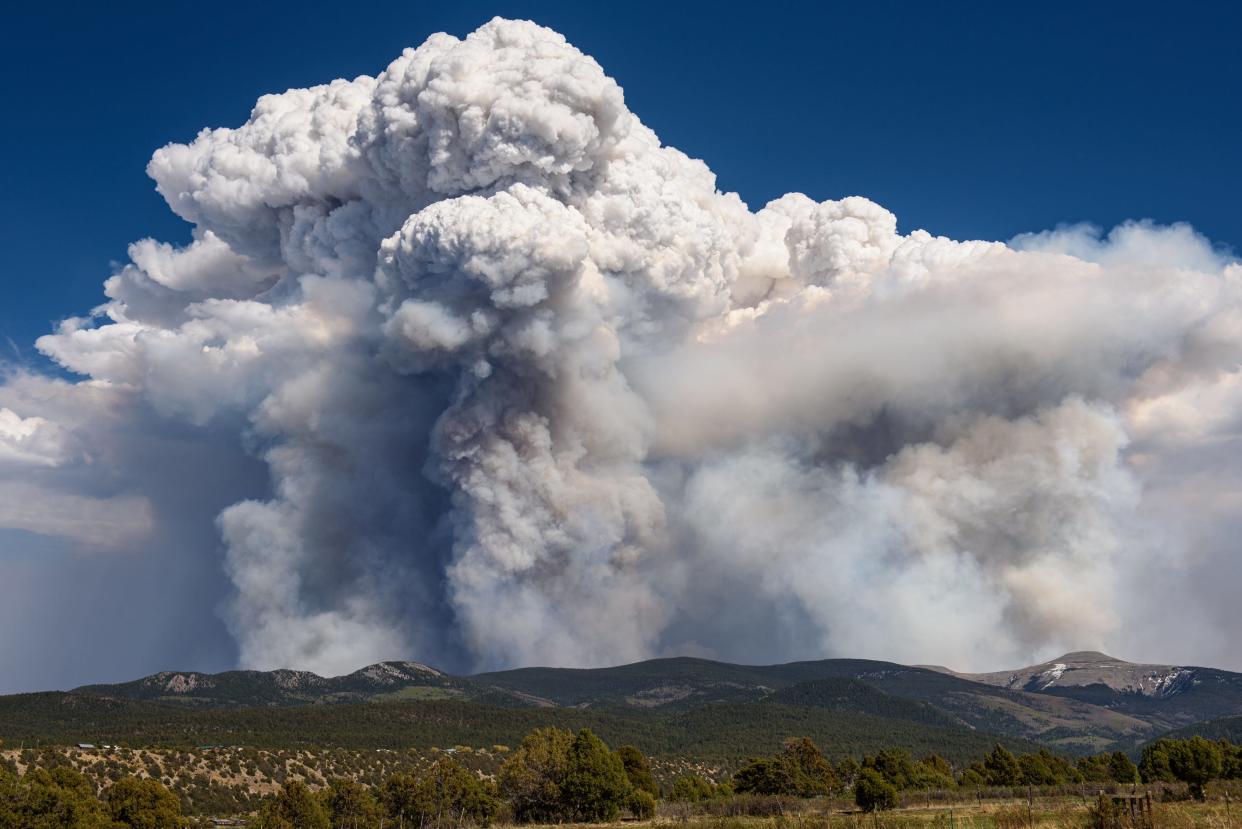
529 389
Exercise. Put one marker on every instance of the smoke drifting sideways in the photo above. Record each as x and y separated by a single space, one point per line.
491 377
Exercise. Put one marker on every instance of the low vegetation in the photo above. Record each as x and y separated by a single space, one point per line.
559 776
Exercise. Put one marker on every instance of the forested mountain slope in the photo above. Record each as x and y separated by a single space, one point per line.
725 732
1083 702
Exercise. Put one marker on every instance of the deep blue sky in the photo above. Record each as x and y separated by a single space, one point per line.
971 120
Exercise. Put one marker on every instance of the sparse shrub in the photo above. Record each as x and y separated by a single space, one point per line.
642 804
691 788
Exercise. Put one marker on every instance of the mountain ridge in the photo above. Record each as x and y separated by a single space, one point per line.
1168 696
281 686
1067 704
1090 668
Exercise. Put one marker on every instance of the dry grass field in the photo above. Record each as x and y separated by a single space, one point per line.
1046 813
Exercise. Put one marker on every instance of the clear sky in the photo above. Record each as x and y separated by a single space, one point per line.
972 120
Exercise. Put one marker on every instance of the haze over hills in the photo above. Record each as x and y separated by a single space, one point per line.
1082 702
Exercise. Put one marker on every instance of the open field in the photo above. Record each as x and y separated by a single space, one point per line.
993 814
1034 808
960 811
1046 813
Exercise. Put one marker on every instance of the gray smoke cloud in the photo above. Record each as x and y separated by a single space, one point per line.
502 380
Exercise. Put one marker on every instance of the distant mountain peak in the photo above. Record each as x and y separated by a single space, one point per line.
1079 669
395 673
178 682
282 686
293 680
1088 657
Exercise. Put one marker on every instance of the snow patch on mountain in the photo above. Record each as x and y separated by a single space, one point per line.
1084 668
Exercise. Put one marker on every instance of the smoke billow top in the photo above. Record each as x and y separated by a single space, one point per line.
527 388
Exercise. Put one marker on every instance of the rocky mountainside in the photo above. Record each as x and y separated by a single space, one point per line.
285 687
1083 668
1167 696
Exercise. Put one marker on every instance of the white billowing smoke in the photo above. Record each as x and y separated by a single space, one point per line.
530 389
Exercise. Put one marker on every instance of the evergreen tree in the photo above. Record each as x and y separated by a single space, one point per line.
1000 767
692 788
1033 770
800 770
399 798
293 806
1196 761
1095 768
452 789
58 798
556 775
847 772
531 778
873 793
1154 764
638 770
1121 768
350 805
142 803
933 772
766 775
446 792
1232 767
595 787
1062 770
9 793
642 804
813 774
973 776
895 766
